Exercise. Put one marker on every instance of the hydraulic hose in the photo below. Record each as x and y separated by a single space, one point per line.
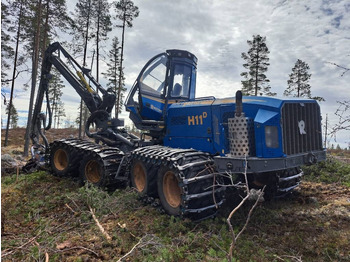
48 110
41 117
103 116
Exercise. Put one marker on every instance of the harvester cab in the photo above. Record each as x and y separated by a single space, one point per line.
167 78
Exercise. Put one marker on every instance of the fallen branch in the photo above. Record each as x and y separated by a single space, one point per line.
250 212
140 244
79 247
104 232
131 251
233 235
74 202
20 247
123 226
71 209
294 258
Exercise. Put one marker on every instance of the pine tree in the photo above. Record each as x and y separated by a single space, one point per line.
113 75
19 7
298 83
7 51
126 12
82 27
60 112
43 20
13 115
55 94
84 116
257 60
103 25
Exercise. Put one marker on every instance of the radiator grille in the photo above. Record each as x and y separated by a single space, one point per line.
301 125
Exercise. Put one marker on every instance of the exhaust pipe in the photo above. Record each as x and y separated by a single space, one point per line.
239 105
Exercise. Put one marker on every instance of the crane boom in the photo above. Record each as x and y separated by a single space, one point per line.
100 108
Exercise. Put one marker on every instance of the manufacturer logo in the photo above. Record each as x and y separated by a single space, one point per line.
301 125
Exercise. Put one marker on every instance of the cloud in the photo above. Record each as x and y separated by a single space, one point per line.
314 31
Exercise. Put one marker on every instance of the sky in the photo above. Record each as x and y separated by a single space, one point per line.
315 31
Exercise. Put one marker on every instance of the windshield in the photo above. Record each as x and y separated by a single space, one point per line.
153 79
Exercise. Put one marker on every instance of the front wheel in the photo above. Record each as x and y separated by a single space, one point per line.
169 191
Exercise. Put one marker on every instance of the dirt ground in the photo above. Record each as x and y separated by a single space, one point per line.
16 138
47 218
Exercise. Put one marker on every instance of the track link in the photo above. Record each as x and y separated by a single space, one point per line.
282 183
201 193
111 159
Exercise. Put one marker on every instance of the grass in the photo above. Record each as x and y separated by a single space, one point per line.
44 214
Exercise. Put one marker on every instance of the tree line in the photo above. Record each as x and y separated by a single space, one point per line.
255 82
29 26
32 25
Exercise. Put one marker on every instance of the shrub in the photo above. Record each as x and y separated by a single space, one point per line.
329 171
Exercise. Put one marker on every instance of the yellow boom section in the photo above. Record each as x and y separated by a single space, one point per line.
83 80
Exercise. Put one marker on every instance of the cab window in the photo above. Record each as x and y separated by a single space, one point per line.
153 79
181 81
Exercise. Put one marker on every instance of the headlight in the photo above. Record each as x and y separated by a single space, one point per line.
271 136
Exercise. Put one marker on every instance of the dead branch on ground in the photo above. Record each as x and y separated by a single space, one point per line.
20 247
146 240
79 247
233 235
71 209
104 232
294 258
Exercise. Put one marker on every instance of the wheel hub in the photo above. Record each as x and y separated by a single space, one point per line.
92 171
139 177
60 159
172 191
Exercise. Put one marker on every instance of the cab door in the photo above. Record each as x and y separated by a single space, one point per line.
152 86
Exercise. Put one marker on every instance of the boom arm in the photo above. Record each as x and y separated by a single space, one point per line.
100 108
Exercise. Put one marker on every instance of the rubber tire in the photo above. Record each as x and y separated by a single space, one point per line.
92 171
61 160
169 209
150 186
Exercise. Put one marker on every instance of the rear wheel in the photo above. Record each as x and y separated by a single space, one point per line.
62 160
169 191
142 179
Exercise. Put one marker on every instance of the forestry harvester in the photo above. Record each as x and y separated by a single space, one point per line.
189 146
